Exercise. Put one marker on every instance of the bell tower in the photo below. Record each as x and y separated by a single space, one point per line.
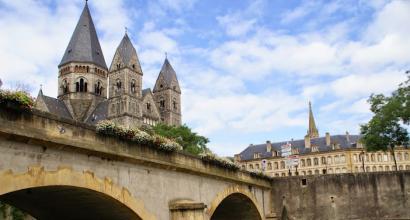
167 95
125 78
82 78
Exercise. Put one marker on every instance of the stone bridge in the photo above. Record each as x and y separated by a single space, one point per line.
53 168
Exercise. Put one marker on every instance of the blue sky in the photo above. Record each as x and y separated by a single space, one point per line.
247 68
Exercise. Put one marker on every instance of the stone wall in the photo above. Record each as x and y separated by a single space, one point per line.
383 195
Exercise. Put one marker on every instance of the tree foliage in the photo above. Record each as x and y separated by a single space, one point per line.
189 140
387 128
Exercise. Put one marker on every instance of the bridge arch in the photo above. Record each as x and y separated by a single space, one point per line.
65 186
235 202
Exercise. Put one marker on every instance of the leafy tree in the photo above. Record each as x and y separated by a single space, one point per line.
386 129
189 140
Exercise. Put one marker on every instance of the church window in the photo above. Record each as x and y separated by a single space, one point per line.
118 85
162 103
81 86
148 106
65 86
98 88
160 86
118 66
174 104
133 86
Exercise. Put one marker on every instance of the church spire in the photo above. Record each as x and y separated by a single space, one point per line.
84 45
312 131
126 56
167 78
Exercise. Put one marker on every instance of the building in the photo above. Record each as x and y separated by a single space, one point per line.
320 155
89 91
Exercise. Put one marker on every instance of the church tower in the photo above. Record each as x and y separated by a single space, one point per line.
167 95
82 79
125 79
312 131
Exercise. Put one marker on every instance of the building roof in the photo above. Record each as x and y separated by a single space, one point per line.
313 132
340 140
84 45
167 75
56 106
145 92
127 54
100 113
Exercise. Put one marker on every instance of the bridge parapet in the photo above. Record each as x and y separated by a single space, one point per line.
55 132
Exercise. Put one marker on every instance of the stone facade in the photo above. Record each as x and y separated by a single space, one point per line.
90 92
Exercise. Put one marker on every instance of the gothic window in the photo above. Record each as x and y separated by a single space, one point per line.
149 106
81 86
65 86
133 86
118 66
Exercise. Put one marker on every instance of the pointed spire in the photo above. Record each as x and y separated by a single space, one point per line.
84 45
126 55
313 131
167 78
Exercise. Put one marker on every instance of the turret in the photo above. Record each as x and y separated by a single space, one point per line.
83 72
167 95
125 79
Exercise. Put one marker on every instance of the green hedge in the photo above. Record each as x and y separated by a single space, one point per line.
16 99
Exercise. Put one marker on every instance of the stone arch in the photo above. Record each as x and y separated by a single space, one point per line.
235 191
37 177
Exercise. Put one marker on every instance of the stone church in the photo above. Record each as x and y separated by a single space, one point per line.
89 91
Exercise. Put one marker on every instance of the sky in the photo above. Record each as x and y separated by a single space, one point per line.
247 68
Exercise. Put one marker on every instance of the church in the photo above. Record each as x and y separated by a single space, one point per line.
89 91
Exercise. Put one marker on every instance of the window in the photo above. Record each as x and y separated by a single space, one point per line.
276 165
374 168
149 106
379 158
256 155
269 166
337 159
302 162
282 164
316 162
309 162
309 172
323 160
174 104
162 103
257 166
133 86
98 88
316 172
406 156
243 167
386 168
342 159
385 157
65 86
372 157
251 166
118 84
329 160
399 158
81 86
118 66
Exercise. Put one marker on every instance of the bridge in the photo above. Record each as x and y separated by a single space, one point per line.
53 168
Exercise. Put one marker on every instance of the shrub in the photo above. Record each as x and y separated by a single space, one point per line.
218 161
260 175
109 128
18 99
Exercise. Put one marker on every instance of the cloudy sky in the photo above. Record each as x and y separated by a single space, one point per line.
247 68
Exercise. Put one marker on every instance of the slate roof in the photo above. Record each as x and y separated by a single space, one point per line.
248 153
146 91
126 51
100 113
168 73
57 107
84 45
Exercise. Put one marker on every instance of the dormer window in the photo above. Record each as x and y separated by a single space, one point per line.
256 155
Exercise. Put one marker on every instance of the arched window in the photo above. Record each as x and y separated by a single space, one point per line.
81 85
118 84
65 86
98 88
174 104
148 106
162 103
133 86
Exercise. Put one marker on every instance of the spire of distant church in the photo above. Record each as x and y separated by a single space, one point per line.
84 45
167 78
313 131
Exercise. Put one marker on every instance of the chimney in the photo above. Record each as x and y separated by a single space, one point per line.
307 141
347 137
268 146
327 139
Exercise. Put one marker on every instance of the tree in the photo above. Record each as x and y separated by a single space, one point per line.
189 140
386 130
